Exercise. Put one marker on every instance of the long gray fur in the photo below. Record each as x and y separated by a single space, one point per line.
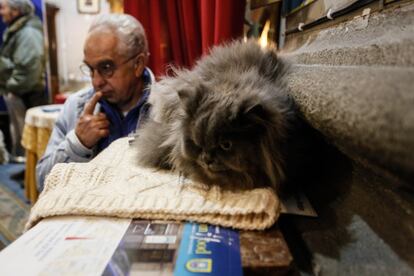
225 122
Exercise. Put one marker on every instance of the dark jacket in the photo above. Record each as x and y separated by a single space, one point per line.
22 61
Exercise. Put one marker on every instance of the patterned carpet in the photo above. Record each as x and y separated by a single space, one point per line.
14 209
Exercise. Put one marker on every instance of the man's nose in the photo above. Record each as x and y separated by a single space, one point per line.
97 79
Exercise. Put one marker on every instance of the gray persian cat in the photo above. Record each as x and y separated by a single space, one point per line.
225 122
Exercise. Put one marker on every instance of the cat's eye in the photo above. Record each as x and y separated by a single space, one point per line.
225 145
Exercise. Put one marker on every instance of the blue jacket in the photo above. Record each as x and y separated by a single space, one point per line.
64 146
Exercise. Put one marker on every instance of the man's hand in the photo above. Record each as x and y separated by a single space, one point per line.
91 128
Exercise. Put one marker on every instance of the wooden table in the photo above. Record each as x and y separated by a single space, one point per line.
265 252
39 122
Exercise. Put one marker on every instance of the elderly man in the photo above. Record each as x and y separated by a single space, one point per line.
115 57
22 79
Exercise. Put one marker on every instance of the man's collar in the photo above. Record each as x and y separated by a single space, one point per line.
147 78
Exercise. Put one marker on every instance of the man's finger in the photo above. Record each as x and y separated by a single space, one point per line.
90 106
101 124
103 132
101 115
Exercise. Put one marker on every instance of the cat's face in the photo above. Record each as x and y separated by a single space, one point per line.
219 151
221 139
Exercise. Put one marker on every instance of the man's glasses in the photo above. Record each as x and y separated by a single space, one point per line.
106 68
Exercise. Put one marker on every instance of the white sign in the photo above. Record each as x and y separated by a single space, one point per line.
64 246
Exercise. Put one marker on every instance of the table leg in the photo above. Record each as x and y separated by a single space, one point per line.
30 177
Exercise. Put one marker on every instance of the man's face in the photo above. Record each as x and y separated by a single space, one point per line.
7 14
120 88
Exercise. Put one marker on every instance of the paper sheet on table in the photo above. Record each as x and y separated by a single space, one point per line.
64 246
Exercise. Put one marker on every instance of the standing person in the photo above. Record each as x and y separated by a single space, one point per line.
115 57
22 79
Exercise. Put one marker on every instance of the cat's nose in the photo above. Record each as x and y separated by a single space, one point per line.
207 158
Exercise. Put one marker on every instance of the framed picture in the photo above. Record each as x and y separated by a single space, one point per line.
88 6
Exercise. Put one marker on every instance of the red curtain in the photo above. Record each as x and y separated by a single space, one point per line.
180 31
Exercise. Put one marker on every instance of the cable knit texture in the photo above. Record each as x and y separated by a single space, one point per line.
113 185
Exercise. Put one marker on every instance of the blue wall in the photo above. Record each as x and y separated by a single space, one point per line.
39 6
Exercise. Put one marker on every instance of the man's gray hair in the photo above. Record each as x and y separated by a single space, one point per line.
23 6
129 31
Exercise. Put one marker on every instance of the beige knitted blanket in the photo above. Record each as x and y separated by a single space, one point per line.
113 185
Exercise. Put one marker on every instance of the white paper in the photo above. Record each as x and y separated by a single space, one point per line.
296 203
64 246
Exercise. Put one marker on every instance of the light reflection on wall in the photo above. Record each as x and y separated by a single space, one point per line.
263 37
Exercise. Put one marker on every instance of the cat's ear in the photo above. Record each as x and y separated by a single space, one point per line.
184 95
190 99
256 111
252 117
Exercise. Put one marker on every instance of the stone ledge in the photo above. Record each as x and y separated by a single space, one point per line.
354 82
365 111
